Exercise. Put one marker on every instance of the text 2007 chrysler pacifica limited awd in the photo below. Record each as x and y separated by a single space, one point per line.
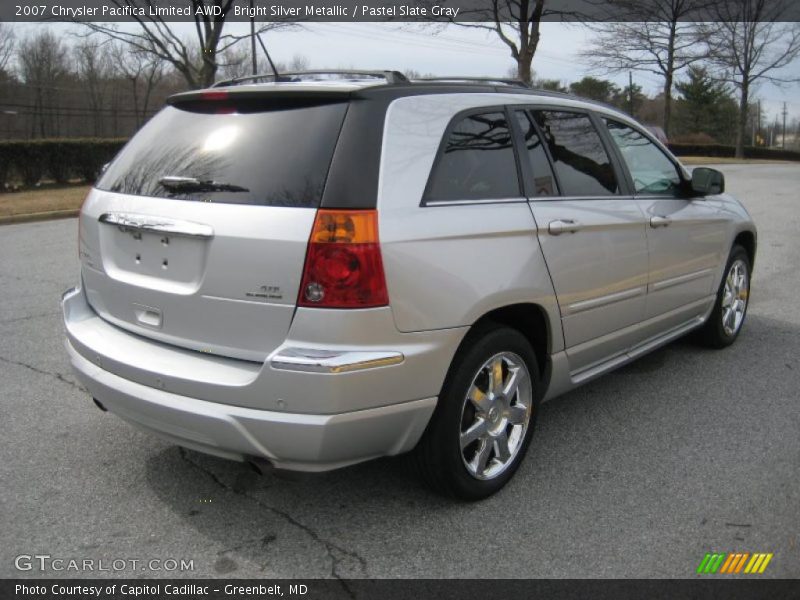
321 271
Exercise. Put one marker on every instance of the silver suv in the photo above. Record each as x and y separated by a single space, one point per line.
315 272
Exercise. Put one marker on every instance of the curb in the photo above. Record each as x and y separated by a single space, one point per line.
39 216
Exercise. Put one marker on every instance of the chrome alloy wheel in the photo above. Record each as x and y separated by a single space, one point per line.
734 297
495 415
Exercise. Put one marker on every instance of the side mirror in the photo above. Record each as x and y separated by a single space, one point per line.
707 182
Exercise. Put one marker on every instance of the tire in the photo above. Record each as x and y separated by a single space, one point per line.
730 307
471 406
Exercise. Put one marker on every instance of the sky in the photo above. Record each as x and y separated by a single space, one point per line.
460 51
466 51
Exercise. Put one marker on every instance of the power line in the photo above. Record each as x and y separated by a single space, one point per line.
783 142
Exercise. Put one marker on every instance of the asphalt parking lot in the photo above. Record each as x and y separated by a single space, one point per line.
637 474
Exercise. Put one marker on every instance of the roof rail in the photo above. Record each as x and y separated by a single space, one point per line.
391 77
490 80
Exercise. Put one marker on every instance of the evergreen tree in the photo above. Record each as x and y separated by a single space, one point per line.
705 106
595 89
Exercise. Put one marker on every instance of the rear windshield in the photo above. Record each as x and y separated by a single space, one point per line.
270 158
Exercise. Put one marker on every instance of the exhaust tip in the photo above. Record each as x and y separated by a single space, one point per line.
99 405
260 465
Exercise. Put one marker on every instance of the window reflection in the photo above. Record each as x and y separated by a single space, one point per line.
477 163
651 170
543 180
280 156
579 158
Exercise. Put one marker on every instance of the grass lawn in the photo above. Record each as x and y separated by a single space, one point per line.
42 200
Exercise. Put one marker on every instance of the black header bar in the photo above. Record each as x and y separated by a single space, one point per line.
442 11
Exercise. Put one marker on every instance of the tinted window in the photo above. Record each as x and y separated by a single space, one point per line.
651 170
543 181
580 160
272 158
477 162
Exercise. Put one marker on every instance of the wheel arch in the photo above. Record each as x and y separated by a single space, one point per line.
747 240
531 321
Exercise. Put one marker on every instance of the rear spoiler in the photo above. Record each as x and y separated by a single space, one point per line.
274 97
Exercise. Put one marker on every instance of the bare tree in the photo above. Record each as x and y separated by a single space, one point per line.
516 23
43 63
94 68
750 43
236 62
651 36
196 60
143 71
299 62
7 42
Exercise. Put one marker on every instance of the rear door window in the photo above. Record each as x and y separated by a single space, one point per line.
580 160
277 157
477 161
544 183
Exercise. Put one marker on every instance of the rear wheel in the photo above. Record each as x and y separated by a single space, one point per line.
485 417
730 308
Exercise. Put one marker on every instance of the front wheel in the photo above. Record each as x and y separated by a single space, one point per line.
485 417
730 307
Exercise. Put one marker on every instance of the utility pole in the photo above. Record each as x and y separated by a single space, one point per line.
783 142
630 93
758 134
253 39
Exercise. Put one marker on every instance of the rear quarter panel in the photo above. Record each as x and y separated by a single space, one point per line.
446 266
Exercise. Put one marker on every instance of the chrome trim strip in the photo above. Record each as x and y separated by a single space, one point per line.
136 222
603 300
580 198
465 202
332 361
665 283
532 199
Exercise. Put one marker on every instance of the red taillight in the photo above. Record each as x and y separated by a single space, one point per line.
343 262
215 95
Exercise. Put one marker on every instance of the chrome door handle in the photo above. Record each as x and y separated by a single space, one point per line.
563 226
659 221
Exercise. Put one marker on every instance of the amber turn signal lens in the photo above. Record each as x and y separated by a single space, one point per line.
345 226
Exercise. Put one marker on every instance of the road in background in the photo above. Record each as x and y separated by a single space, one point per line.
638 474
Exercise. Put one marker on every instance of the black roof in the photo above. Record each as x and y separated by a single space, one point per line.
236 89
396 85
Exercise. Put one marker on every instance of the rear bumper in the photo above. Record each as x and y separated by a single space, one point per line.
295 441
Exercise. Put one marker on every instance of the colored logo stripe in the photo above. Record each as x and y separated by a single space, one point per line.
758 563
710 563
734 562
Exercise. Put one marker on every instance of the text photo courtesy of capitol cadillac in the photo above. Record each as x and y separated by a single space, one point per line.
362 299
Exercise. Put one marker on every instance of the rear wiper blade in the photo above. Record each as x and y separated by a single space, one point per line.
193 184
